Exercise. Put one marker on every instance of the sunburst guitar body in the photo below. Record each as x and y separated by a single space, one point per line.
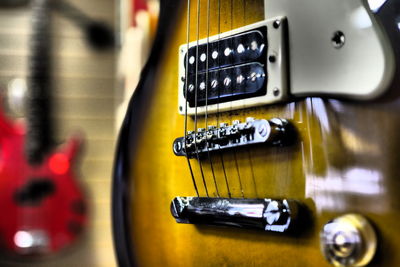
292 139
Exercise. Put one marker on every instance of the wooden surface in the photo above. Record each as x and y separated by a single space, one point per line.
346 160
84 100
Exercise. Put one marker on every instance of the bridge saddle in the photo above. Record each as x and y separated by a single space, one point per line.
274 132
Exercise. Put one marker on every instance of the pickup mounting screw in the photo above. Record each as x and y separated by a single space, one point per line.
276 24
338 39
272 58
276 91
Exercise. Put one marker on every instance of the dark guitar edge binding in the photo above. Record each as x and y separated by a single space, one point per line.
124 150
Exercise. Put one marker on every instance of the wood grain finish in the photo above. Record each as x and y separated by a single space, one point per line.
346 160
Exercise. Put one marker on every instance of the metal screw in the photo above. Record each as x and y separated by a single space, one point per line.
254 45
239 79
272 58
191 60
276 24
263 130
180 108
202 86
276 91
200 138
338 39
240 48
272 212
214 83
227 81
191 87
178 147
227 51
253 76
214 54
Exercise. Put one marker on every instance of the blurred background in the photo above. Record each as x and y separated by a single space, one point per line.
94 70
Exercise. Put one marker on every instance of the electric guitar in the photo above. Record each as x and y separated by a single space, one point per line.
263 133
43 205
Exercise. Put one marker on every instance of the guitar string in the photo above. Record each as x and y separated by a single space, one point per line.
231 106
207 87
248 151
219 95
196 86
186 96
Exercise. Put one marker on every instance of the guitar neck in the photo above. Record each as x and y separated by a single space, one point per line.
39 130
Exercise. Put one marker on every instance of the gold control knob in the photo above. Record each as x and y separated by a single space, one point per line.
348 240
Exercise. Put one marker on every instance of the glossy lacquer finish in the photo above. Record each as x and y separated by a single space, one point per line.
55 214
344 161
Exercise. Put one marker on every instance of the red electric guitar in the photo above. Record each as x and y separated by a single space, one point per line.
43 208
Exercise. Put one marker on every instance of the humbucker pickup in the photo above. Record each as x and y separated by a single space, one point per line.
241 68
275 132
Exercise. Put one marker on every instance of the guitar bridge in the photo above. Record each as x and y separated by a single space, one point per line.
271 215
274 132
